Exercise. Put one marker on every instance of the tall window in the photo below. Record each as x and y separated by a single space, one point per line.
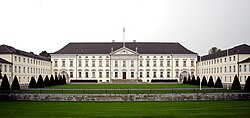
23 60
116 74
132 74
161 63
71 63
154 63
86 74
230 69
5 68
245 68
10 68
233 68
55 64
234 58
93 74
19 58
107 63
225 69
168 63
147 63
154 74
100 74
141 75
86 63
116 63
132 63
177 74
71 74
140 63
192 63
100 63
15 58
63 63
240 68
107 74
15 69
184 63
161 74
19 69
147 74
79 63
123 63
168 74
177 63
93 63
80 74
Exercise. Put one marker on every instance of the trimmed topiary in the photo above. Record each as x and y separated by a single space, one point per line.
40 83
32 83
52 81
46 81
185 80
218 83
197 82
204 81
193 80
189 80
64 80
236 83
5 85
56 80
60 80
15 84
210 82
247 84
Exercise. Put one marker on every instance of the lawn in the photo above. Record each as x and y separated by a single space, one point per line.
194 109
122 86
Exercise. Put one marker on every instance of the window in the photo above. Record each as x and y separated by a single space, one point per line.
107 74
116 74
192 63
140 63
249 67
100 74
107 63
220 69
28 70
132 63
161 63
147 63
154 75
86 74
23 60
168 63
71 74
123 63
116 63
147 74
0 67
86 63
55 64
80 74
100 63
161 74
19 69
177 74
10 68
141 75
230 58
93 74
168 74
5 68
240 68
93 63
233 68
245 68
234 58
15 69
225 69
79 63
220 60
230 69
225 60
63 63
132 74
19 58
176 63
71 63
15 58
154 63
28 60
184 63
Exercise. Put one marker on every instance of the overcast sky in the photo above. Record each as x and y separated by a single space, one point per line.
36 25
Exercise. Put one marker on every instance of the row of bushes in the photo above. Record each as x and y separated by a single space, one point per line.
5 85
235 86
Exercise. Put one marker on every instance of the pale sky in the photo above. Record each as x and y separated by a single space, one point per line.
37 25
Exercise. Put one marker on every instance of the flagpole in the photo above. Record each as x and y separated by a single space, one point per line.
123 37
200 74
226 79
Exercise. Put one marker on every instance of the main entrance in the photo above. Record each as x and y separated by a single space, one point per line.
123 75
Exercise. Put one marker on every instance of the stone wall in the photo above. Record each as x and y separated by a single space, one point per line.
124 97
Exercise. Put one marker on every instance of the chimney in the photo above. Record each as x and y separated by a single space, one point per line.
134 41
113 41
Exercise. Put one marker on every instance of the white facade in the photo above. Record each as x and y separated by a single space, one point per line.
124 63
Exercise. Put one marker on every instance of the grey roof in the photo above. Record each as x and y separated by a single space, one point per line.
142 48
240 49
4 61
245 61
5 49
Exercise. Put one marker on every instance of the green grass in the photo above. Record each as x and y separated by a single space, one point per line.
123 86
194 109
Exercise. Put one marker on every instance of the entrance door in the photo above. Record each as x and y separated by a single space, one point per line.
124 75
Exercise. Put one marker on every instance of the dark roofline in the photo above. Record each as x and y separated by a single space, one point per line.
245 61
5 49
4 61
240 49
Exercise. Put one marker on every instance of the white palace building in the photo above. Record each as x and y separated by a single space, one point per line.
110 61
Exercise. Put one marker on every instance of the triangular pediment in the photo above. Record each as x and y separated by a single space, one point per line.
124 51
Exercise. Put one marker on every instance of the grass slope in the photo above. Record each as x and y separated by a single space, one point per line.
123 86
195 109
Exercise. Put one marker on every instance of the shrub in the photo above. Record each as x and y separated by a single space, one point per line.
40 83
64 80
236 83
193 80
56 80
5 85
197 82
204 81
15 84
60 80
32 83
52 81
210 82
218 83
189 80
185 80
247 84
46 81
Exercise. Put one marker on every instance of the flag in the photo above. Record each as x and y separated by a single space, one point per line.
123 29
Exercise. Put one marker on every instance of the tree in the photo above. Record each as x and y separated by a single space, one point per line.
214 50
52 81
5 85
32 83
64 80
247 84
197 82
60 80
236 83
189 80
210 82
56 80
40 83
45 54
193 80
15 84
46 81
204 81
218 83
185 80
